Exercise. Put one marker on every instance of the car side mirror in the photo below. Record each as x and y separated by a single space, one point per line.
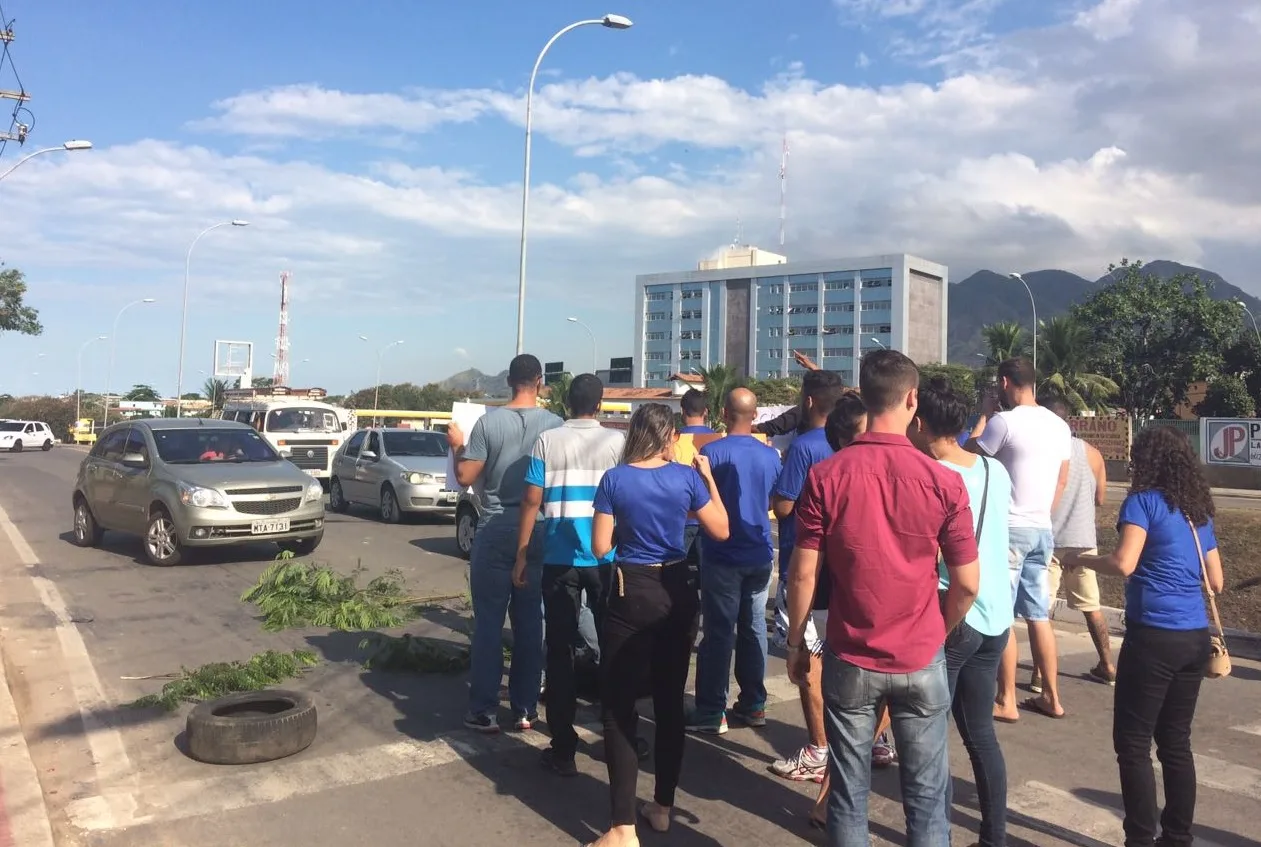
368 456
135 460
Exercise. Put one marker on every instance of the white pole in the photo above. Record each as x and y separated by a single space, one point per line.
113 342
188 260
78 391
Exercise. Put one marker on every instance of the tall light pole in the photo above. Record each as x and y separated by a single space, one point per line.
1034 306
188 261
612 22
595 356
113 342
78 391
70 146
376 396
1241 304
881 343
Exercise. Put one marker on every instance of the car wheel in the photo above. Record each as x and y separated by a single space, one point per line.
48 445
465 529
390 512
87 532
161 540
301 546
337 498
256 726
17 447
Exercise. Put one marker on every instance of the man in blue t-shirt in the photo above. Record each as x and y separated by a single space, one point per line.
736 574
820 392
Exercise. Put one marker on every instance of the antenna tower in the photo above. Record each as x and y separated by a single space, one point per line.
281 374
783 190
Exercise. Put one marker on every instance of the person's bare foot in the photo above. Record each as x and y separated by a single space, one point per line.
1004 713
658 816
618 836
1043 706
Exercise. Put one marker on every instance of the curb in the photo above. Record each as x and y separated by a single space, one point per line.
1241 644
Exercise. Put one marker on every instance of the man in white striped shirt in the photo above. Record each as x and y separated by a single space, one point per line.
566 467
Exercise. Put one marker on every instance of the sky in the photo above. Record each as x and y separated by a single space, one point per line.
376 151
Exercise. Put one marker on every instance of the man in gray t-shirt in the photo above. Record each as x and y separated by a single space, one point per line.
497 455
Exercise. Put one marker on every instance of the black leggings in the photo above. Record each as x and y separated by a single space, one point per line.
645 643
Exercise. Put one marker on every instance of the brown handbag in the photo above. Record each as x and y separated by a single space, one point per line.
1219 658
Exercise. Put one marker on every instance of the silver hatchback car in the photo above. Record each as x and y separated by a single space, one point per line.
393 470
194 483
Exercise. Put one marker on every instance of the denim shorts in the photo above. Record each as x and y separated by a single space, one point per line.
1029 557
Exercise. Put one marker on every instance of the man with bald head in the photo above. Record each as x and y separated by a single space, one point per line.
736 574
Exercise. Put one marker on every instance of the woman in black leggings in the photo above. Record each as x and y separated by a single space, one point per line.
652 605
1166 526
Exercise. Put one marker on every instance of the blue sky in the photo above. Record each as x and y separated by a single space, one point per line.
377 153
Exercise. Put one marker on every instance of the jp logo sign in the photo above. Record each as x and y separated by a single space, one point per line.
1229 441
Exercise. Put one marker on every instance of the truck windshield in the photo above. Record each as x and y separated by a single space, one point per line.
301 419
415 444
209 444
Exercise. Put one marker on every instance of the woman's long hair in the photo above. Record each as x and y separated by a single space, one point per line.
651 431
1162 459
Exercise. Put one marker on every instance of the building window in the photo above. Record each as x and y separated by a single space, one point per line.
838 307
876 305
775 353
658 296
689 355
692 295
657 316
659 356
838 285
775 331
775 310
774 289
691 314
690 333
836 352
798 287
877 328
657 336
803 330
877 283
803 310
838 330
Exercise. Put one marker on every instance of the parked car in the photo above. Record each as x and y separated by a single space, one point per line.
194 482
468 512
16 436
395 471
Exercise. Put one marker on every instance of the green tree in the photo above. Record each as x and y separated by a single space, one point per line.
143 394
1003 340
57 412
404 396
1227 397
263 382
1155 337
15 315
558 395
718 380
190 395
962 379
778 391
213 390
1243 359
1063 363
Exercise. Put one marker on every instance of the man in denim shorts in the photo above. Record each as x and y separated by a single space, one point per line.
1035 446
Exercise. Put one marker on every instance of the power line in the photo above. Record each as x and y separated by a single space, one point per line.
18 128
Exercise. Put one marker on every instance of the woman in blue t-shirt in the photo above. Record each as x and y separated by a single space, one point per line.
651 608
1166 645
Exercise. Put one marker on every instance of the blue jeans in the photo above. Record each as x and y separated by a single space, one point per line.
919 705
496 598
972 667
733 614
1029 558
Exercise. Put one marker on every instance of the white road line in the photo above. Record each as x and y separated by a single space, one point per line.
1251 729
1226 776
113 767
1068 817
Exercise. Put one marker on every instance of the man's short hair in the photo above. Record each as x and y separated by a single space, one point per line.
885 378
586 391
842 425
1018 371
823 388
1056 404
694 403
524 371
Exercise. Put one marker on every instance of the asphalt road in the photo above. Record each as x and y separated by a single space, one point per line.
392 764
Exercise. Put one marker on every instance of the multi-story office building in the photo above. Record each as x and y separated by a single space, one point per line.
752 313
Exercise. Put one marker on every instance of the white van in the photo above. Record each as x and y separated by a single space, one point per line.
304 430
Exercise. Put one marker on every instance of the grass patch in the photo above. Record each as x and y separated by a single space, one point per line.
218 679
1238 539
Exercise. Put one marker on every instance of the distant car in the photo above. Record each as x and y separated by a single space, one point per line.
16 436
194 482
468 512
395 471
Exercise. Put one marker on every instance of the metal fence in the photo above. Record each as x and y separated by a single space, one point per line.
1191 429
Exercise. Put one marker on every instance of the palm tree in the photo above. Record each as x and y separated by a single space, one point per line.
718 380
558 395
1003 340
214 390
1063 354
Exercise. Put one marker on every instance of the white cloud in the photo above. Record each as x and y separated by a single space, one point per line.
937 28
863 60
1108 20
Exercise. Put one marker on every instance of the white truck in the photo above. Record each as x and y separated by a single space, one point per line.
296 421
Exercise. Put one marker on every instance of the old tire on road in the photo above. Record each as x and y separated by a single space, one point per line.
251 727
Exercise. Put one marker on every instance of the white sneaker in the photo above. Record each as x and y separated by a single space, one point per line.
806 766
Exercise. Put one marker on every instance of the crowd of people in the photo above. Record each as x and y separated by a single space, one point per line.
909 544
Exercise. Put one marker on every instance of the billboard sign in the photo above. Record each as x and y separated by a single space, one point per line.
1109 435
1231 441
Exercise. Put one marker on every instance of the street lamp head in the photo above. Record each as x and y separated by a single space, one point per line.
572 320
363 338
77 144
101 337
1014 275
617 22
149 300
239 222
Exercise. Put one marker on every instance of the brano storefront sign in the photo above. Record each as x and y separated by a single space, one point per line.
1231 441
1110 436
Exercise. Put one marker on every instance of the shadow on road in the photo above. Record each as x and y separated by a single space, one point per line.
132 547
1219 837
439 545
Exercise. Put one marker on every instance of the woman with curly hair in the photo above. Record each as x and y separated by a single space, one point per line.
1166 526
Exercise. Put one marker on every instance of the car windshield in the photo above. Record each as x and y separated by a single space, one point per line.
415 444
11 426
301 419
211 444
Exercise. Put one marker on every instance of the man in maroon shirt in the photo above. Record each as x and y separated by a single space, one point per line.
879 513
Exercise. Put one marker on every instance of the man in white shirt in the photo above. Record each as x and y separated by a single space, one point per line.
1034 445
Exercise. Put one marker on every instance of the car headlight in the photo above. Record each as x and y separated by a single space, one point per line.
420 478
314 492
201 498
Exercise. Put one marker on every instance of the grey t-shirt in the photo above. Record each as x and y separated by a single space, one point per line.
503 439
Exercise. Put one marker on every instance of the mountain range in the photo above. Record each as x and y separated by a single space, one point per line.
983 298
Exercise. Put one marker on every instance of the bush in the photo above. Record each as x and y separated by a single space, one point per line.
57 412
1227 397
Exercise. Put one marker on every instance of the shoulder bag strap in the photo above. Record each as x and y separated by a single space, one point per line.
1208 589
985 496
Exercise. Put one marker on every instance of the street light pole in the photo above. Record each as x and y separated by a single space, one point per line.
878 341
78 391
1034 306
595 356
113 342
612 22
1241 304
376 394
188 261
70 146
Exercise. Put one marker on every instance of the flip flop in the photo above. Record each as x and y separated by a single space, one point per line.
1102 676
1034 704
1002 719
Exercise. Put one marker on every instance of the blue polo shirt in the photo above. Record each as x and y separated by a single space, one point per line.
805 452
1166 590
745 471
